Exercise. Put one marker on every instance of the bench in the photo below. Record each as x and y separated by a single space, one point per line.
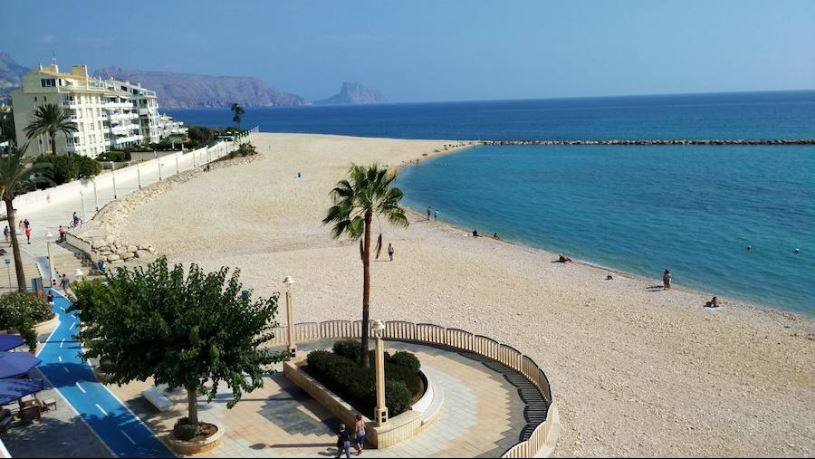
157 399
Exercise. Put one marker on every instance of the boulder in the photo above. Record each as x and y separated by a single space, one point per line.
113 257
142 254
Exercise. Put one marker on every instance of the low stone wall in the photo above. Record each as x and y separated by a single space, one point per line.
398 428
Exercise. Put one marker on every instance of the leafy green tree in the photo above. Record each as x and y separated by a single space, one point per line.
15 178
181 329
50 119
22 312
367 191
87 295
67 168
6 125
237 112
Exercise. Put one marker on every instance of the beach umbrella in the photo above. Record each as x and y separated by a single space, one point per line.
9 342
12 390
16 363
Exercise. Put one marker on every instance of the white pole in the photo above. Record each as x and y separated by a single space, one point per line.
50 262
84 214
113 175
95 196
138 173
159 170
177 170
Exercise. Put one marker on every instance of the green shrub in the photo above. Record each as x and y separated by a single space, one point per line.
22 312
344 376
66 168
406 359
117 156
185 431
349 348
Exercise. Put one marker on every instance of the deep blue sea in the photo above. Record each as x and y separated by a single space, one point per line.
691 209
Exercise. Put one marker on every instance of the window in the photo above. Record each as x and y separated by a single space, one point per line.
48 82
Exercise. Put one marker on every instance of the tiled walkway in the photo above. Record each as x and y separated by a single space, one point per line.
482 415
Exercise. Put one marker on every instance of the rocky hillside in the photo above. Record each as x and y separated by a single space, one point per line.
354 93
186 90
11 74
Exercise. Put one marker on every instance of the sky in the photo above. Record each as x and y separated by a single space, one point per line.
435 50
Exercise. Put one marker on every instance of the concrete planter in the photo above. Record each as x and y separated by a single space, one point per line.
188 448
396 430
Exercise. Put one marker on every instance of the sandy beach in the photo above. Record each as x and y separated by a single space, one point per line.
634 371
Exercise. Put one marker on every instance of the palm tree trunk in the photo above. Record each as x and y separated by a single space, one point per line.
192 405
366 289
15 246
54 143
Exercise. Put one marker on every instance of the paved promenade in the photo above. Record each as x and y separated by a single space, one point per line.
482 415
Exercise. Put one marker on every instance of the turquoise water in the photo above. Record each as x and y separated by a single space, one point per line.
690 209
641 209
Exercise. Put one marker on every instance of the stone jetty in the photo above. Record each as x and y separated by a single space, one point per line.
654 142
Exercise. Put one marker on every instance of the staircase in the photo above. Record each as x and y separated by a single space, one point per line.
67 261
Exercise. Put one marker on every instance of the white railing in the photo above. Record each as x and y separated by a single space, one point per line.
545 435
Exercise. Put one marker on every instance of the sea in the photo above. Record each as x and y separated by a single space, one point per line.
736 221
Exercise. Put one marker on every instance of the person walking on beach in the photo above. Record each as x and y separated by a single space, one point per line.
343 442
359 432
390 251
436 214
6 233
28 233
428 213
666 279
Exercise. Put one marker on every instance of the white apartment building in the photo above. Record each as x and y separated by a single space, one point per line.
109 114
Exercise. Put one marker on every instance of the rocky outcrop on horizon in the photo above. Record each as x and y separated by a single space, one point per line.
188 90
354 94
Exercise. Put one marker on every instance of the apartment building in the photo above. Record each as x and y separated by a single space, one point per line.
109 114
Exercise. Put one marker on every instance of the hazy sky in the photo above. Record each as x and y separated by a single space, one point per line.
436 50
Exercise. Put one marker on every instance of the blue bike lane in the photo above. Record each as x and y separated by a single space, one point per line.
122 431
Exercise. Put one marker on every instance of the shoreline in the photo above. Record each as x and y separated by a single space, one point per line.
633 372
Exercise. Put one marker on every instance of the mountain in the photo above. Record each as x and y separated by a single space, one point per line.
11 74
354 93
186 90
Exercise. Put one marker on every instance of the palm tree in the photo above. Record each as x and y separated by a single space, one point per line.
50 119
14 176
368 191
238 114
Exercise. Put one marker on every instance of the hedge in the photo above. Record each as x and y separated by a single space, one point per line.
66 168
357 385
22 312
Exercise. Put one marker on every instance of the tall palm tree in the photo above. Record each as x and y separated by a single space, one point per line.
238 112
367 191
14 176
50 119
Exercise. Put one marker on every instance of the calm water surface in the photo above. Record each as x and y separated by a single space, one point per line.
691 209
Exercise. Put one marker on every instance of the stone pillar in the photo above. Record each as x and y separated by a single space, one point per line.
288 281
381 414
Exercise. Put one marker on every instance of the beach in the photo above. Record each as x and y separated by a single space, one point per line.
634 371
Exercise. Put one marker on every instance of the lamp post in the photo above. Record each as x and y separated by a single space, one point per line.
50 258
288 281
381 415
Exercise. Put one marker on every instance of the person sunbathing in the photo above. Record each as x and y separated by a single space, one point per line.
713 303
563 259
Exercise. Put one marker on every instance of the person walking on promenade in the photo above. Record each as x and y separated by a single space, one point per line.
343 442
28 233
62 232
26 223
6 233
64 282
390 250
359 432
666 279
